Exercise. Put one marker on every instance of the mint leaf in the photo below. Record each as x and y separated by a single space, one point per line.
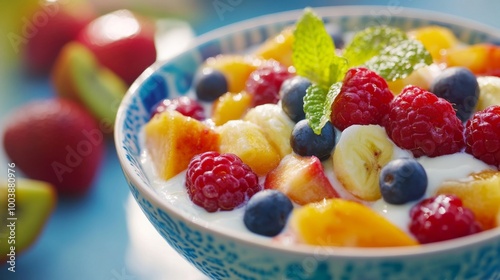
370 42
318 105
313 49
399 60
338 68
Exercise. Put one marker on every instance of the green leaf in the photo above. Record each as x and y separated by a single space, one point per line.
338 68
318 105
313 49
370 42
400 60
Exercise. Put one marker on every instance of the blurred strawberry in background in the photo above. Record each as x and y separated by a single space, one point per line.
48 28
65 66
56 141
122 41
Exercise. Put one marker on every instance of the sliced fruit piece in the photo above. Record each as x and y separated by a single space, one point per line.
275 124
247 141
479 192
236 68
422 77
31 203
339 222
358 158
498 219
278 48
172 139
481 59
230 106
436 39
489 92
302 179
493 68
79 76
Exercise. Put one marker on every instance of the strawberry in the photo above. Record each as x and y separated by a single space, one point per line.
56 141
302 179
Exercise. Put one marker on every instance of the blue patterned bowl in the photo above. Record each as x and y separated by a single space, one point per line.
222 255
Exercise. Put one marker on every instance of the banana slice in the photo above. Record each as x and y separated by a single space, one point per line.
489 87
275 124
359 156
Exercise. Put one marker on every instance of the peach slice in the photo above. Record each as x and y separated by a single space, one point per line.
481 59
436 39
230 106
278 48
172 140
479 192
339 222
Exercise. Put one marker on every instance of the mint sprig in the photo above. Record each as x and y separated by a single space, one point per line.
385 50
314 51
399 60
370 42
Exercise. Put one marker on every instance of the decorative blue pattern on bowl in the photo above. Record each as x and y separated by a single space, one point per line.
221 256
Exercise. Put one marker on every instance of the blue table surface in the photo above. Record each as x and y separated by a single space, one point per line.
87 238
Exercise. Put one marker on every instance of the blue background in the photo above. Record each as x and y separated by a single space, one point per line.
87 238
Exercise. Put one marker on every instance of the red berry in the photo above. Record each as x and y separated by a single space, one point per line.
56 141
363 99
440 218
482 135
423 123
264 83
220 181
187 106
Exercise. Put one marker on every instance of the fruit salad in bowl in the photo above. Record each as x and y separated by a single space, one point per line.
323 144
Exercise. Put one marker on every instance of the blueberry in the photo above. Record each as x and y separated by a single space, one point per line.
459 86
209 84
402 180
292 94
305 142
267 212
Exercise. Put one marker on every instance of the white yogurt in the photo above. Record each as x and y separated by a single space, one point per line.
439 169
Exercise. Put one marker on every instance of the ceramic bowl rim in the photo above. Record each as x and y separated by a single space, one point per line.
304 250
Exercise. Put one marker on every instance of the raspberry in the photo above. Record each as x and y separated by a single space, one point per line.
482 135
220 181
441 218
187 106
423 123
264 83
363 99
